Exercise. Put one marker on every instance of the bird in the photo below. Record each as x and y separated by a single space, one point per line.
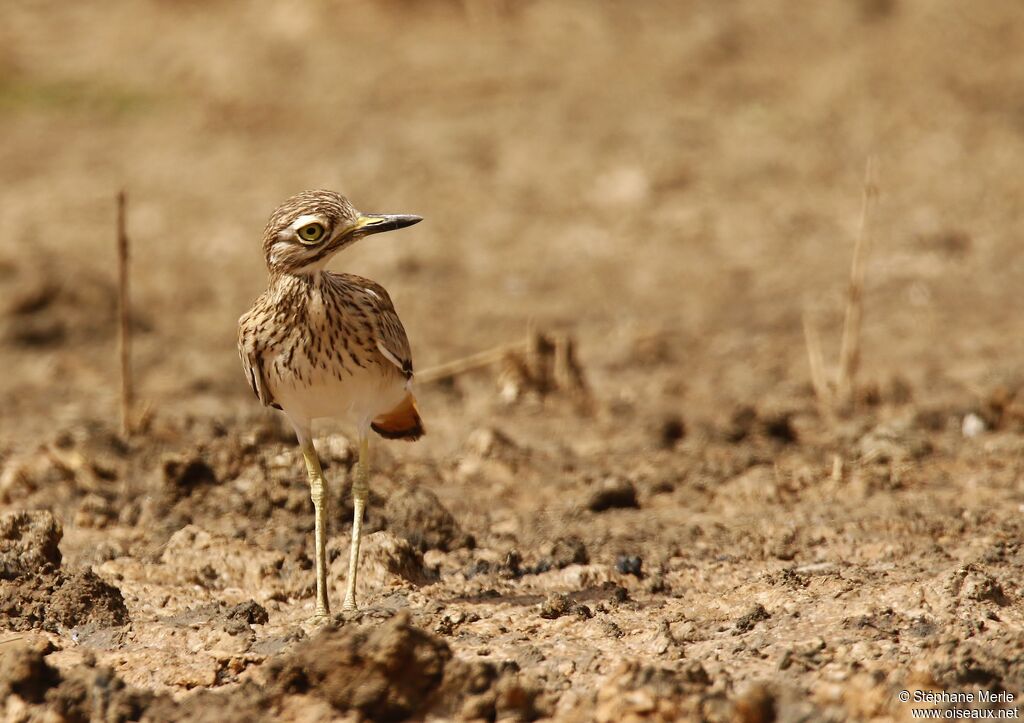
321 344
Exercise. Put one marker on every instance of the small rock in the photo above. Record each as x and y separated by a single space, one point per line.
555 606
973 426
664 641
250 612
751 618
451 621
629 565
337 450
612 492
670 431
583 611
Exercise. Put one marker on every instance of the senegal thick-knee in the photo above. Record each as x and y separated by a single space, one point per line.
323 344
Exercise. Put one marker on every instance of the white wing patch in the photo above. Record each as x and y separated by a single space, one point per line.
388 355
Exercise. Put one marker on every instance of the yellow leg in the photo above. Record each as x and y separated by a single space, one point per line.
316 488
359 492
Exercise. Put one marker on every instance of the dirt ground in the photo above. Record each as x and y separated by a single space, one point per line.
675 186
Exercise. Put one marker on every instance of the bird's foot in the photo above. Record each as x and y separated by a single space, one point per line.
320 618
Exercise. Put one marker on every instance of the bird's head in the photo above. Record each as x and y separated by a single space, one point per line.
310 227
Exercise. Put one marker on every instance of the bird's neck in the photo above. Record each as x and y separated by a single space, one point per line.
306 277
298 284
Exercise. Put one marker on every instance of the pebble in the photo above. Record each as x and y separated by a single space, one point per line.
630 565
612 492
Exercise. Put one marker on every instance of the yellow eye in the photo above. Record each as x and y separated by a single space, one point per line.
311 233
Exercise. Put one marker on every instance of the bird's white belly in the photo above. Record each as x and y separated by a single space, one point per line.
359 398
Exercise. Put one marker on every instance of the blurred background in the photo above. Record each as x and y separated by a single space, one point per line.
687 172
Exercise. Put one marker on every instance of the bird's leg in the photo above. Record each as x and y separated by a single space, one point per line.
359 492
316 492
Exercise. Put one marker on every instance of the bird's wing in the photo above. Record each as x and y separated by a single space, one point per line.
251 353
392 342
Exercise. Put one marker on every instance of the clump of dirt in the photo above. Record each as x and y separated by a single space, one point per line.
60 600
393 671
36 594
388 670
24 672
85 693
383 672
29 542
558 604
416 514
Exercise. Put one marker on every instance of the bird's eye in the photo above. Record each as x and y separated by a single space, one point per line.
311 233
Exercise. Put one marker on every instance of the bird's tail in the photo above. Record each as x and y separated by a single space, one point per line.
402 422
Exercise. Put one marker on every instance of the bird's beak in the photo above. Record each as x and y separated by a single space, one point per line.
368 223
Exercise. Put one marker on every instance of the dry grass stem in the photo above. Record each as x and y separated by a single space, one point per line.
835 396
849 354
816 362
124 314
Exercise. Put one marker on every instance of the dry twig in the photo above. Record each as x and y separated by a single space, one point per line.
469 363
541 363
